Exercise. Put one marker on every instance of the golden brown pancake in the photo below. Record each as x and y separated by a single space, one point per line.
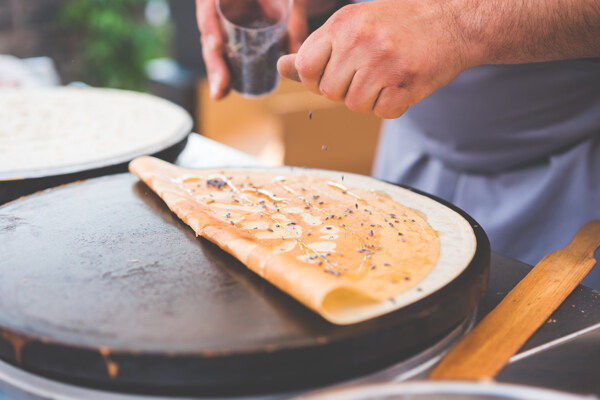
346 252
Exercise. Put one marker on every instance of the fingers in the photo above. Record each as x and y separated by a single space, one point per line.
368 94
337 78
392 102
297 29
311 61
212 48
362 93
286 65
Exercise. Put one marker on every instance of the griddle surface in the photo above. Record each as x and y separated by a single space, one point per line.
101 285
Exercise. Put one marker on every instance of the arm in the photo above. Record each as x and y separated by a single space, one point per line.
513 31
212 48
386 55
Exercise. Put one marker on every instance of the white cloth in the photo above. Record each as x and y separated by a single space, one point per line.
28 72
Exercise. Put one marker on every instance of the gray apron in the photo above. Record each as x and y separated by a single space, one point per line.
516 146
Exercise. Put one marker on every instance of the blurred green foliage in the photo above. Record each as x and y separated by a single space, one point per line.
115 41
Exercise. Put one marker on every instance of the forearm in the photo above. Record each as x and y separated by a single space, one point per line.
520 31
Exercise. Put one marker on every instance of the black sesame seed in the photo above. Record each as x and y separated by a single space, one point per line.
217 183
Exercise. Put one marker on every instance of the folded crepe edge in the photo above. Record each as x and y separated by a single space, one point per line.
335 301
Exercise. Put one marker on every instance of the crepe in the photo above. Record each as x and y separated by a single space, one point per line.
64 128
349 253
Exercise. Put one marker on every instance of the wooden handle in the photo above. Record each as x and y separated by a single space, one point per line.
484 351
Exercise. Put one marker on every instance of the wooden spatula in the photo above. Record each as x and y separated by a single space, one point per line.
484 351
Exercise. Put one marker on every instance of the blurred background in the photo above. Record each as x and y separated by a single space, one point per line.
153 46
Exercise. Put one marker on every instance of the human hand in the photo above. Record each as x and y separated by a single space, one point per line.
212 39
381 56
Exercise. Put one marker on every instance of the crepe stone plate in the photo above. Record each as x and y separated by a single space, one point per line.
103 286
14 184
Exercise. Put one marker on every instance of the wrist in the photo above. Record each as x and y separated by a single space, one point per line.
465 24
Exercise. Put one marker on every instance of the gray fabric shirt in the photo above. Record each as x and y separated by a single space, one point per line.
516 146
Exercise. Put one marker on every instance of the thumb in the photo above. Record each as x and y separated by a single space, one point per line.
286 65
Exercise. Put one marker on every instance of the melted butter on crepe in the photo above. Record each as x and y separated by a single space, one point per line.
345 252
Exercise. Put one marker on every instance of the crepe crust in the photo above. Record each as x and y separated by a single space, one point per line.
346 252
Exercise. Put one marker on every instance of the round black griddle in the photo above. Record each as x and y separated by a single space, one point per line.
32 181
101 285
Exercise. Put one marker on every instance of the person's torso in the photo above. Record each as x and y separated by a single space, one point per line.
492 118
